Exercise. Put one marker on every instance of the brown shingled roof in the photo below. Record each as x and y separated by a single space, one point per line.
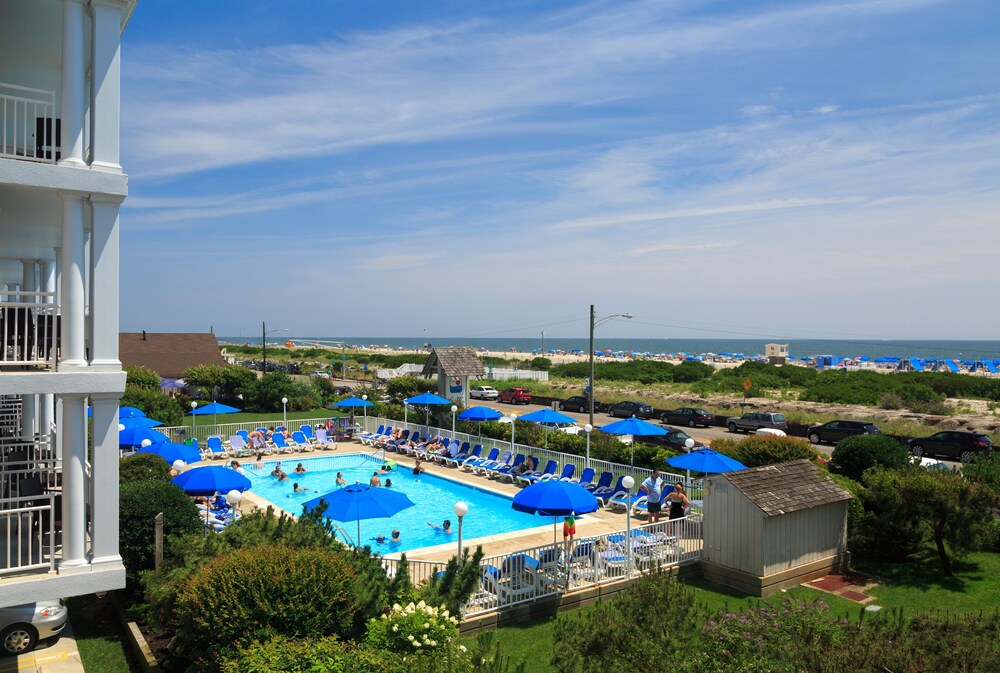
786 487
455 361
169 353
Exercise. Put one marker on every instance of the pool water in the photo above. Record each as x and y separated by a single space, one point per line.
434 498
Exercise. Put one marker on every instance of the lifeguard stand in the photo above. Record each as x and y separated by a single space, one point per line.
777 354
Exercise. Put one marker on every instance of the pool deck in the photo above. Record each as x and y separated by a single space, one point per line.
596 523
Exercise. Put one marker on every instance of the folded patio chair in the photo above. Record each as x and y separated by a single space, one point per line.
586 479
216 449
474 463
603 483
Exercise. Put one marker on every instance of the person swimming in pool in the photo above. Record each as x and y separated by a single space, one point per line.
340 479
445 526
299 489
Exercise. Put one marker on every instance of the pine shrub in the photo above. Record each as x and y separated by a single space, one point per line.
853 455
139 503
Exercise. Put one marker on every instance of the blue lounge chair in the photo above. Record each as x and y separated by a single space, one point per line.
489 465
280 445
474 454
607 496
586 479
505 472
216 449
623 500
538 475
245 435
569 469
300 442
603 483
475 463
455 460
367 437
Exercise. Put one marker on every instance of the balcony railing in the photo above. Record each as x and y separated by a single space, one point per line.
27 127
29 330
29 507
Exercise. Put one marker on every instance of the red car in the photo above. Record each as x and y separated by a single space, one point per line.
516 396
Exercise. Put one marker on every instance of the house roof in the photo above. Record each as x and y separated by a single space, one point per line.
455 361
169 353
786 487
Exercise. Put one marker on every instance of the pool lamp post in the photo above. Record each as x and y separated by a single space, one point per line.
233 498
284 412
588 428
513 417
194 421
406 413
454 409
364 398
597 323
628 482
460 509
178 465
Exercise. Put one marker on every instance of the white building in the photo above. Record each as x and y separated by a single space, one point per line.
61 186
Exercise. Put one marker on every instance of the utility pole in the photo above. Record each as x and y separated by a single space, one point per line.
590 393
263 342
543 343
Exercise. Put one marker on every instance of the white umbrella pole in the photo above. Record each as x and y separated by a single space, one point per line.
359 534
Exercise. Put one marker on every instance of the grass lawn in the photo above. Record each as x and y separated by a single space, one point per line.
96 630
277 417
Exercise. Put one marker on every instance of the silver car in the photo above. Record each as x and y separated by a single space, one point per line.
484 393
22 626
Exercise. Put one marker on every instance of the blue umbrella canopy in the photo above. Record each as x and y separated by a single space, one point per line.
547 417
214 408
555 498
353 402
633 426
706 460
427 398
130 412
134 436
210 480
171 451
359 501
139 422
480 414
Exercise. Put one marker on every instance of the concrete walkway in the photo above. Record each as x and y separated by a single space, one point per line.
60 657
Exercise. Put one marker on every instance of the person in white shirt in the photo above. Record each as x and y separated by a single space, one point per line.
653 488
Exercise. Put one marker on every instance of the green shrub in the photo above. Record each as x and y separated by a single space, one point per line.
140 466
155 404
258 593
758 450
283 654
139 503
853 455
414 630
540 364
142 377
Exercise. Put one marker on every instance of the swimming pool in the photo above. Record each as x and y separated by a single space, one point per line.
433 496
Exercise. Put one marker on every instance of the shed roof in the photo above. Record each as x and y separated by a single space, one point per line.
169 353
454 361
786 487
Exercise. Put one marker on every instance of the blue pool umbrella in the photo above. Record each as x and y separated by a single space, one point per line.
130 412
480 414
215 408
547 417
705 460
134 437
555 498
359 501
427 399
211 480
635 427
171 451
353 402
139 422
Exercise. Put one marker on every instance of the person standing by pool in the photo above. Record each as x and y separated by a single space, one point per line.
653 488
374 482
340 479
418 467
569 532
678 501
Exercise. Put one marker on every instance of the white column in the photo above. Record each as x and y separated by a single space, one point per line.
74 88
46 403
104 283
73 429
29 403
106 84
104 480
72 323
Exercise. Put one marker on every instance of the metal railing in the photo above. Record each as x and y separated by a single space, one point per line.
29 329
202 430
534 573
26 123
27 534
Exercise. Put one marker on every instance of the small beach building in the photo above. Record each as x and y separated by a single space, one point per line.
771 527
453 368
777 354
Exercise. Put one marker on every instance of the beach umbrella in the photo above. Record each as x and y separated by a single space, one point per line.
215 408
211 480
130 412
171 451
134 437
139 422
554 498
479 415
705 460
426 399
635 427
548 417
352 402
359 501
172 384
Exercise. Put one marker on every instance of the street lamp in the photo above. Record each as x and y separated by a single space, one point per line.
453 410
513 417
194 422
284 411
588 428
593 324
628 482
364 410
233 498
178 465
263 343
460 509
406 413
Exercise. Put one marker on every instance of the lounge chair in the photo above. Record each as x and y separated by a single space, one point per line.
323 439
463 453
569 469
623 500
508 588
537 475
368 437
451 450
474 463
484 468
605 497
307 432
238 446
245 435
602 484
258 445
476 453
506 472
216 449
280 445
300 442
586 479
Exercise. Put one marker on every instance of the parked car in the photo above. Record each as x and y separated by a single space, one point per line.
677 439
689 416
579 403
22 626
515 396
343 390
483 393
756 419
320 374
834 431
960 444
630 408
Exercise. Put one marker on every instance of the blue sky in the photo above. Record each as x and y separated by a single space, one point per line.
791 169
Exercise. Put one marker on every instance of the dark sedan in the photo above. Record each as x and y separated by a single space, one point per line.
630 408
689 416
579 403
677 440
834 431
960 444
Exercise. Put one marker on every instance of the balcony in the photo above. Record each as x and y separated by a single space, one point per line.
29 327
26 124
29 508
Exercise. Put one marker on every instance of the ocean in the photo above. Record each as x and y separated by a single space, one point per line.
964 350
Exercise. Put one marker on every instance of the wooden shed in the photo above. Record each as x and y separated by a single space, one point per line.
772 527
453 367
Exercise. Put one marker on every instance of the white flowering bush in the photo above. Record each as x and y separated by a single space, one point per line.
415 629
